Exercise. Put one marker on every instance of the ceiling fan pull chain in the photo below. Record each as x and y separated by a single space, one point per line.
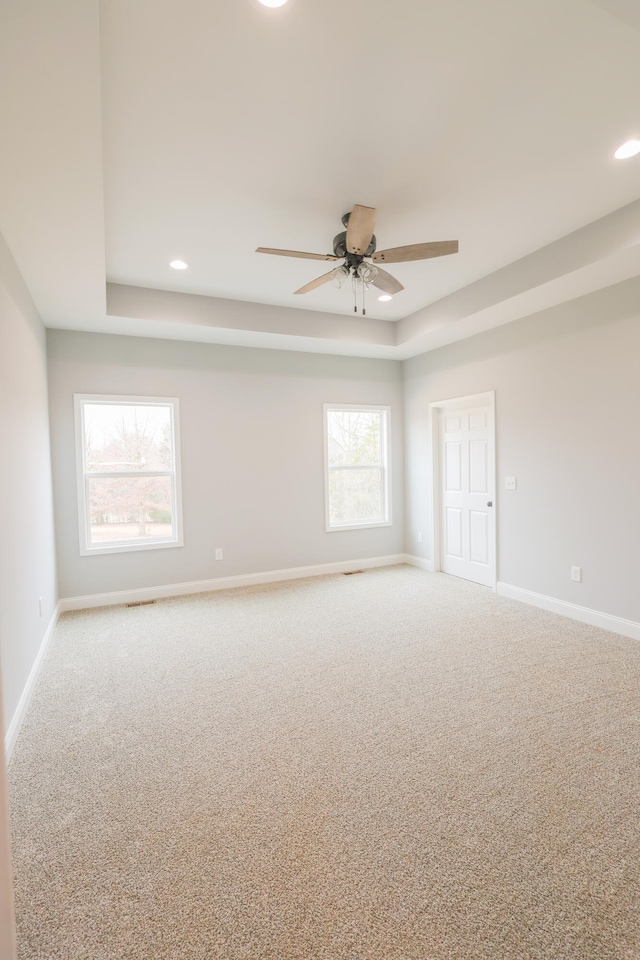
364 289
355 293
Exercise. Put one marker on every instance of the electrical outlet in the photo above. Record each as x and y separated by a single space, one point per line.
510 483
576 574
219 553
419 537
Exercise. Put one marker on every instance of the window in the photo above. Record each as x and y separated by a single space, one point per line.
357 484
128 473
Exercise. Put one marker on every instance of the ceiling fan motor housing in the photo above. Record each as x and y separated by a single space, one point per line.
340 247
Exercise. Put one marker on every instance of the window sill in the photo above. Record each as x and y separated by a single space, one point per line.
358 526
130 547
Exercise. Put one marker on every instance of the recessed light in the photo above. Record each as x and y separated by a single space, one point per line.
272 3
628 149
178 265
385 297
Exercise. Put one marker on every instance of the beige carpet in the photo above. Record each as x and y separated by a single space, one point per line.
386 766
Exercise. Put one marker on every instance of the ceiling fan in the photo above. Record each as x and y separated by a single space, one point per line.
356 245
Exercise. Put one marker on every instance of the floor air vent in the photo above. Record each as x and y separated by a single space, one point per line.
350 573
141 603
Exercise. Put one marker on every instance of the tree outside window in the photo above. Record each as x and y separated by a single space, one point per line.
356 453
129 485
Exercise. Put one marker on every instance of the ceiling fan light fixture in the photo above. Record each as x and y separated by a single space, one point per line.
340 274
385 297
273 3
367 272
628 149
178 265
355 247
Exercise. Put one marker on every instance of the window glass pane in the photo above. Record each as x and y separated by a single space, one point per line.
354 436
130 508
356 496
125 436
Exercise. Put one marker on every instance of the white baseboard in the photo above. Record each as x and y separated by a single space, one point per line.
628 628
225 583
419 562
16 721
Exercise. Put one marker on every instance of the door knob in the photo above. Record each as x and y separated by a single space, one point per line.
489 503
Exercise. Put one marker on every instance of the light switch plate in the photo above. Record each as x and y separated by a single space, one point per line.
510 483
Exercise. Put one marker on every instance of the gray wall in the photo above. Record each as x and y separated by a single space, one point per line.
567 385
252 455
27 552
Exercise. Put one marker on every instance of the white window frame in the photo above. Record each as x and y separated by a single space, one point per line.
84 520
385 465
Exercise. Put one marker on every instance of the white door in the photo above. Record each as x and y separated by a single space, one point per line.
467 493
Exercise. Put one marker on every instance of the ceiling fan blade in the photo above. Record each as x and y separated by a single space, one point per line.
384 281
416 251
297 253
318 281
362 221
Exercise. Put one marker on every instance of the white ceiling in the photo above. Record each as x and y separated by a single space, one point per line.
137 131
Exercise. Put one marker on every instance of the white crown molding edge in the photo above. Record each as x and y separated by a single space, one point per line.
595 618
13 729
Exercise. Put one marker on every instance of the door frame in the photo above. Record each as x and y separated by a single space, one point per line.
435 409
